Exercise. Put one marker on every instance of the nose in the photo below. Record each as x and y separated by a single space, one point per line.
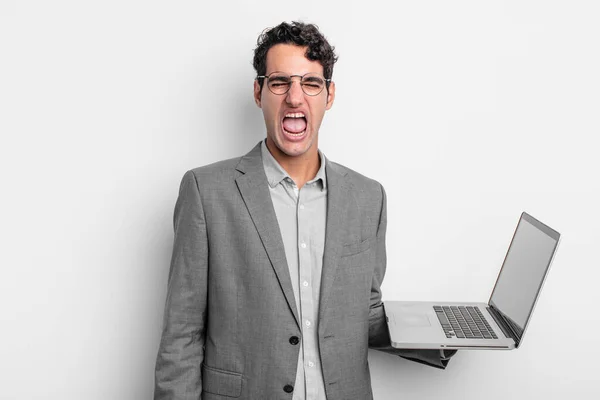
295 96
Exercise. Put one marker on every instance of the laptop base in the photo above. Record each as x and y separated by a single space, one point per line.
415 325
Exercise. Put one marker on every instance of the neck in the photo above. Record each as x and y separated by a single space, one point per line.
300 168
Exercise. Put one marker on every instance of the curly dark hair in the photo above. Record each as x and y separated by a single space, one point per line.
299 34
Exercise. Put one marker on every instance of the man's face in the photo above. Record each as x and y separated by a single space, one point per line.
279 110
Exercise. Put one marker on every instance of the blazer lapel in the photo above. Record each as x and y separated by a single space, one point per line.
337 203
254 188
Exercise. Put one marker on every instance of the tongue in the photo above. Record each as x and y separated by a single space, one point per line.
294 125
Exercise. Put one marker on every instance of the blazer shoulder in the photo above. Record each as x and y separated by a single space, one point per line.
217 172
359 181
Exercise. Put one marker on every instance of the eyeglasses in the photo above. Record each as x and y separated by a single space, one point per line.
280 83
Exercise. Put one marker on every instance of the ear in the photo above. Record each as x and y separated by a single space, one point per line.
257 93
330 95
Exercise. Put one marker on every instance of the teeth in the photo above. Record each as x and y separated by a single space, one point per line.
295 115
295 134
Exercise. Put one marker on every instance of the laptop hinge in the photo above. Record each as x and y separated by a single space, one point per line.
507 327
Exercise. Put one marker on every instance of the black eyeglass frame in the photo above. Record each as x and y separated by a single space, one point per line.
267 77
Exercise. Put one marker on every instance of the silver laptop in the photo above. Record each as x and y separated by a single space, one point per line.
498 324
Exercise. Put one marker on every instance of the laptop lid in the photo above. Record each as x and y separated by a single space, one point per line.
522 275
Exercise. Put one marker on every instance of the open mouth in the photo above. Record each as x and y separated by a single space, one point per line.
294 124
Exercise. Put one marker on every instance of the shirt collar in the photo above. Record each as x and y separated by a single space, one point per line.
275 172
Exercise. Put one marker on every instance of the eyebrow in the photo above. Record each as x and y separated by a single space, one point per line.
313 79
282 77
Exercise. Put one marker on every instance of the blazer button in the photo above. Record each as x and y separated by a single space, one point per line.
294 340
288 388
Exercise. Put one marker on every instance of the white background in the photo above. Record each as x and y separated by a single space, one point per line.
468 112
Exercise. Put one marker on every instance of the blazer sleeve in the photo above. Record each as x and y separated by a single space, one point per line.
379 337
181 350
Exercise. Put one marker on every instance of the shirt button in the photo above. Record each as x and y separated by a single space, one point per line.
294 340
302 206
311 364
288 388
305 283
307 323
303 245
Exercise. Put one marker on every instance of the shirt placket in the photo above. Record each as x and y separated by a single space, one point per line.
306 295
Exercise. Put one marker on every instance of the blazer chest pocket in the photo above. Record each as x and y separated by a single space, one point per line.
352 249
221 382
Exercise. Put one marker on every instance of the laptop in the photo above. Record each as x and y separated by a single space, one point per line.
498 324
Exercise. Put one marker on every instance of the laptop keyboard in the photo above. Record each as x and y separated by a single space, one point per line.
464 322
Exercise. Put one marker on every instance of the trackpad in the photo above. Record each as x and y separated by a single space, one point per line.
412 320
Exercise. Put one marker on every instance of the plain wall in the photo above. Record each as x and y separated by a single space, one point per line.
468 113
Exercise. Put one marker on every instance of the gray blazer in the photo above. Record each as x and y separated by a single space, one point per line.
231 325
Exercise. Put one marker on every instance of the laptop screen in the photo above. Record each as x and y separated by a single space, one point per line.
524 269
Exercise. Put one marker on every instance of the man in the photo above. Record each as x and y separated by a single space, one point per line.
278 258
